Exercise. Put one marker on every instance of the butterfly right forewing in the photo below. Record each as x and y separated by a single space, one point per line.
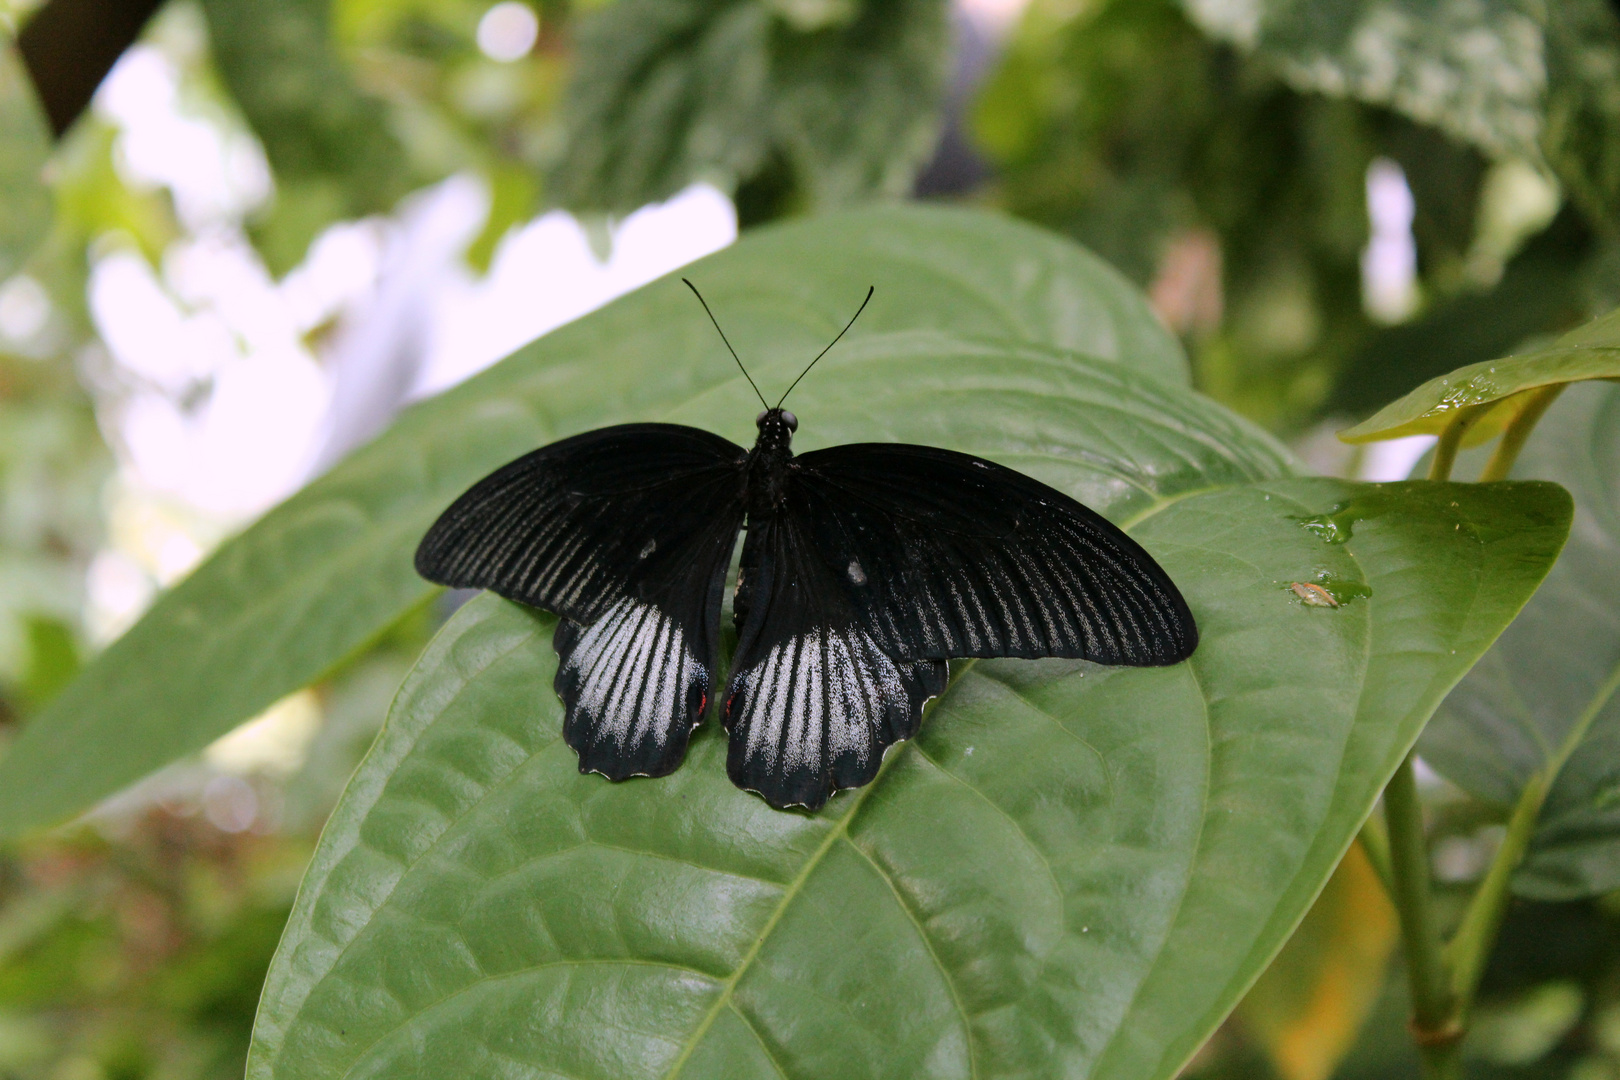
948 555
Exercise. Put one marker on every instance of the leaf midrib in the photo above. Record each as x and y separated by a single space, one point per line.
834 834
788 895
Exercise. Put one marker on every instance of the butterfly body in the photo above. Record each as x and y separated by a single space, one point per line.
865 567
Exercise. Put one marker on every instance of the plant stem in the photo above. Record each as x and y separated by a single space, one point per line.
1507 451
1445 451
1434 1021
1471 947
1375 842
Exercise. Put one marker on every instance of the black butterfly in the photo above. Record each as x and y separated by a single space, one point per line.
865 568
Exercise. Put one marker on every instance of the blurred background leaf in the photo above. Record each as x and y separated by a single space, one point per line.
25 144
1474 68
1546 694
328 142
791 105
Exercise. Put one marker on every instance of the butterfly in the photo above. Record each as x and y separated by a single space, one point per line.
864 569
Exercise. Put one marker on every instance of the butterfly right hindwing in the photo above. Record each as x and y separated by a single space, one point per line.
813 700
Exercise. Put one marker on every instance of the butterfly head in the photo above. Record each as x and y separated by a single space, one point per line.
776 427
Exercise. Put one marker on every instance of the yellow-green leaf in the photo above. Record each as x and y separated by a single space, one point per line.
1507 386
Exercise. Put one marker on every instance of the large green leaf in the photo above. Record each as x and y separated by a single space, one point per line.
318 576
832 101
1545 696
1587 352
25 143
1072 871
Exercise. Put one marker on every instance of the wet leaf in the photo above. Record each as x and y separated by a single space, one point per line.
965 345
1547 691
1587 352
1073 870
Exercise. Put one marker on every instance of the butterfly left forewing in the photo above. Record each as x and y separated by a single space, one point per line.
813 699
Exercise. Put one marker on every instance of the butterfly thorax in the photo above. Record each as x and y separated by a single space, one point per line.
768 461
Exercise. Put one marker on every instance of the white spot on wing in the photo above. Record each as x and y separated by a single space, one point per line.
818 696
633 671
856 574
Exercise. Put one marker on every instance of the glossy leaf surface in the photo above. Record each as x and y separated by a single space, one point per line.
1587 352
1072 871
1545 697
318 576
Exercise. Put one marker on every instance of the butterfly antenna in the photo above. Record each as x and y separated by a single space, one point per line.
869 291
729 349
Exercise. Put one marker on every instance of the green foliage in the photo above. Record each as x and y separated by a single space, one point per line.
1126 848
52 465
141 959
1476 70
1119 124
1544 697
1582 107
328 142
1222 159
1540 82
1589 352
324 573
816 105
1125 851
25 143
